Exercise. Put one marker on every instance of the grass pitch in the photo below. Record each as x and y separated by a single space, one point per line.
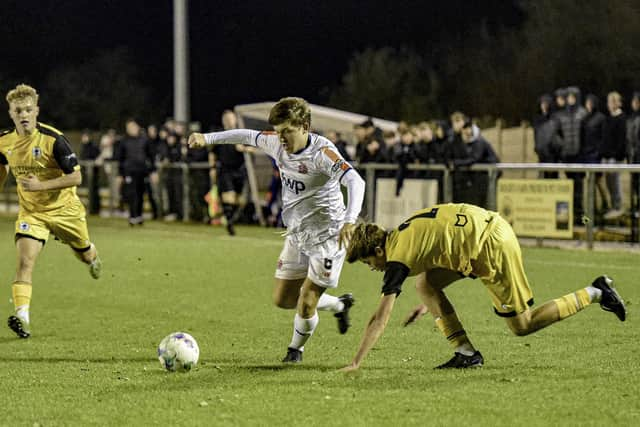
91 359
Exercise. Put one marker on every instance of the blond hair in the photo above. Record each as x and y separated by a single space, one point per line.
365 239
294 110
20 92
615 96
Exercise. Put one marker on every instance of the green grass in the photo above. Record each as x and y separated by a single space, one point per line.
91 359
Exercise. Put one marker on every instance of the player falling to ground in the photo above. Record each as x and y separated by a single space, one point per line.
47 173
445 243
318 224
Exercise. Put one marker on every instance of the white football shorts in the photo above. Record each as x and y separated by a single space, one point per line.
322 264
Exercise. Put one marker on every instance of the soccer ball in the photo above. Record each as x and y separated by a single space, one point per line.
178 351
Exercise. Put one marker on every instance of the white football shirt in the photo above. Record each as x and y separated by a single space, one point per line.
313 206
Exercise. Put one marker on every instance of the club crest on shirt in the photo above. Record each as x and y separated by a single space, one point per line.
23 226
302 168
37 152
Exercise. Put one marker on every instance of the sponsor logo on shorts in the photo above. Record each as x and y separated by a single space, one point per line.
280 264
23 226
506 307
326 274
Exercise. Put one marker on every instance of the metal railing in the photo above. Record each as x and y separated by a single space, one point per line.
109 172
494 170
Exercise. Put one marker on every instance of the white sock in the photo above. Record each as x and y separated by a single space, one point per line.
594 293
330 303
302 330
467 349
23 312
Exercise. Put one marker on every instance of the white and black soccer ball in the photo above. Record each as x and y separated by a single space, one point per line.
178 351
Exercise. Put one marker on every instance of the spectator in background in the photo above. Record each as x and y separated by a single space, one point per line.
633 150
544 130
560 95
592 140
404 154
171 157
457 122
374 133
467 149
90 151
614 151
151 183
340 144
391 137
199 183
231 172
136 161
368 150
567 143
439 150
422 146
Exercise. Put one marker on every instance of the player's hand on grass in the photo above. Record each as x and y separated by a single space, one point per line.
415 314
196 140
30 183
345 235
350 368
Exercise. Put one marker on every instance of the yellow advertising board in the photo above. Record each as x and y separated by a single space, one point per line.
537 207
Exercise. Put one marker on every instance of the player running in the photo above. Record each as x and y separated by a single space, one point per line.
318 224
448 242
47 173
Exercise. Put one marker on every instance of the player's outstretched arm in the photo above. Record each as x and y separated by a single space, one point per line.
374 330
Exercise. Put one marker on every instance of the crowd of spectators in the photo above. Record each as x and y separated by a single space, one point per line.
150 167
456 144
567 129
570 130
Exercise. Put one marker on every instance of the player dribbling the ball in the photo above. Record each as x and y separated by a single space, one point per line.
318 223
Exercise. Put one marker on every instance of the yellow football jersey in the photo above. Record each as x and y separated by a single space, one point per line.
443 236
46 154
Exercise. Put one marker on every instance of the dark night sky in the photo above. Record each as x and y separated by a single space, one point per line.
241 51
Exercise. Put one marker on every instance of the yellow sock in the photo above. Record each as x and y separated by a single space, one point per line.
452 329
21 292
570 304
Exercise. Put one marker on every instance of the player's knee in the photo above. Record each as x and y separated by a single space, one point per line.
307 307
520 329
284 301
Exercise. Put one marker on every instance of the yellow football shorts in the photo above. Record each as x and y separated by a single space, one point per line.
68 224
499 266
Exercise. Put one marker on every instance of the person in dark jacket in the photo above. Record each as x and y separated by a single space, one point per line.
135 157
593 130
544 130
171 156
403 154
467 149
633 152
567 142
91 151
